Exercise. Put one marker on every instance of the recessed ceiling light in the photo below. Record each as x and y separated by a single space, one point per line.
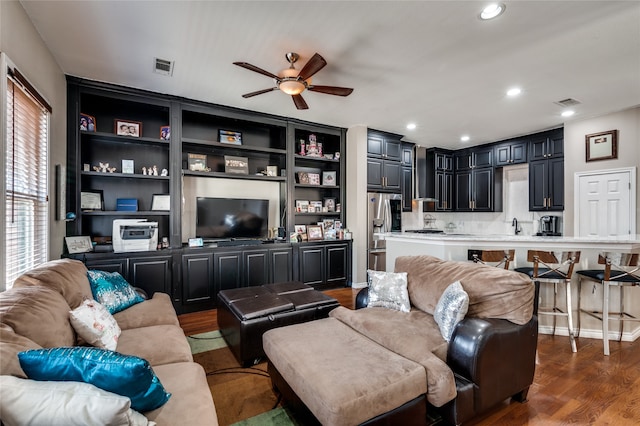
568 113
515 91
465 138
411 126
492 11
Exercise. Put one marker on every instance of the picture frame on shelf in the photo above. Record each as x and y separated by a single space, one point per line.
302 206
80 244
330 204
91 200
272 171
315 206
229 137
127 128
314 178
327 224
161 202
602 146
302 231
303 178
315 233
236 165
87 122
197 162
329 178
165 133
127 167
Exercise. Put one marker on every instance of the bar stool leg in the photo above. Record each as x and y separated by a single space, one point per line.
570 317
605 317
621 321
555 305
579 306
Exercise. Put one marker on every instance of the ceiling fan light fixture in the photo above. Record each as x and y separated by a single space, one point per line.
290 83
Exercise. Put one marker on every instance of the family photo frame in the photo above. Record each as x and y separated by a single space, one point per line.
127 128
87 123
602 146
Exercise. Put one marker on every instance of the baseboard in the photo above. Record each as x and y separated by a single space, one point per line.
627 336
359 285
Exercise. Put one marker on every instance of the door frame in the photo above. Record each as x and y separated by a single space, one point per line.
632 195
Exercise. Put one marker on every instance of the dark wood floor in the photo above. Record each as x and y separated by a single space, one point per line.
585 388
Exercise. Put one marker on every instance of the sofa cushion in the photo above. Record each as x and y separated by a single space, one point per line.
112 290
31 402
191 402
38 313
95 325
451 309
66 276
414 336
493 292
155 311
158 344
388 290
129 376
10 345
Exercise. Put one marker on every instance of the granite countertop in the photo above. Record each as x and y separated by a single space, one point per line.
443 237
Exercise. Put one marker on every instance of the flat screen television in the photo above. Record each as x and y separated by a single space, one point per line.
225 218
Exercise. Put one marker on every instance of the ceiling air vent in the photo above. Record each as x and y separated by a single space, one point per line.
162 66
569 102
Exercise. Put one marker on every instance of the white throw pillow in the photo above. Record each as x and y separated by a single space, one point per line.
388 290
451 309
95 325
31 402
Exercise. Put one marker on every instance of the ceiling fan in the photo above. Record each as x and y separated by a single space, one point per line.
293 82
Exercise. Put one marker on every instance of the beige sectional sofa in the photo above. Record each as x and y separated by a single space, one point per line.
35 314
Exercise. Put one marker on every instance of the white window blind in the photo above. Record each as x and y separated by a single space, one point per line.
26 181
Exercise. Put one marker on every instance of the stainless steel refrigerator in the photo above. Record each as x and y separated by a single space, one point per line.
384 214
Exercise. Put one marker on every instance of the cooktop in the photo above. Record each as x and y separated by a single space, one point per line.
425 231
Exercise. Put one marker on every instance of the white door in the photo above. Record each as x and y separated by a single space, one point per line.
605 204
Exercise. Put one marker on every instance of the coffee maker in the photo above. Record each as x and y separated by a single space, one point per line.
550 226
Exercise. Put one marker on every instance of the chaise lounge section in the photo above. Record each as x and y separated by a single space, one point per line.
384 366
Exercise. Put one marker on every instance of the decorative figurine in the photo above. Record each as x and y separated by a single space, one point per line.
144 171
155 170
111 169
164 172
302 145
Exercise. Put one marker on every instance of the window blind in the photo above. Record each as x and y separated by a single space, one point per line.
26 181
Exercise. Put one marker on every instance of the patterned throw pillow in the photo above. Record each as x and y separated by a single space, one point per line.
112 291
125 375
95 325
451 309
388 290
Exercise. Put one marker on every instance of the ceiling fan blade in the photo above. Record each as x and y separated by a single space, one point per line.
259 92
331 90
256 69
315 64
299 101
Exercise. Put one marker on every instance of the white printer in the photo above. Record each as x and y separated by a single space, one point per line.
134 235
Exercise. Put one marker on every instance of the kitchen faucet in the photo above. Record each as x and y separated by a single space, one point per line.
514 223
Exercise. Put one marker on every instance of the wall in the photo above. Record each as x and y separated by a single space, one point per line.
22 44
356 213
627 123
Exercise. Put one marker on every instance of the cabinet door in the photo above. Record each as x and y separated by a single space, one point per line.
538 184
197 278
281 265
444 162
503 155
337 264
227 269
482 157
538 149
462 161
108 265
407 188
312 265
463 191
556 184
482 181
256 267
374 173
407 154
556 146
393 176
444 191
151 274
392 150
375 146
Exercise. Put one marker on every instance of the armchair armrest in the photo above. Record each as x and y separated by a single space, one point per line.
362 298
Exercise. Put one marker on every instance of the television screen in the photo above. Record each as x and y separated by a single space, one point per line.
223 218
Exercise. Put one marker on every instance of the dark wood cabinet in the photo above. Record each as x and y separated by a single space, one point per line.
546 145
256 267
407 188
474 158
439 178
384 145
324 264
476 190
227 270
197 278
546 185
383 175
281 265
510 153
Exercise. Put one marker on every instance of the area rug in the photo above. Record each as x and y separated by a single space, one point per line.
243 396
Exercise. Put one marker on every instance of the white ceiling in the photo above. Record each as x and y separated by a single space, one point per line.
429 62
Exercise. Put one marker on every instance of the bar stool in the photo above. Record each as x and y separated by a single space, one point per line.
497 258
556 268
620 270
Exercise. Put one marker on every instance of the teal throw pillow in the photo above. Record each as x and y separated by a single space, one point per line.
112 291
125 375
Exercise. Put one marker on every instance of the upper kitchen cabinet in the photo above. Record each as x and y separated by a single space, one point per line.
546 145
407 176
474 158
439 178
510 153
478 190
384 162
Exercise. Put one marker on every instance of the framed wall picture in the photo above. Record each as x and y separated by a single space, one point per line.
87 122
329 178
91 199
161 202
127 128
78 244
314 233
602 146
165 133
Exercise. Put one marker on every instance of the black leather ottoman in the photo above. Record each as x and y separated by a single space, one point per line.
244 314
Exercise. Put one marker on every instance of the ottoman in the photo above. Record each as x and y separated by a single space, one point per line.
244 314
342 377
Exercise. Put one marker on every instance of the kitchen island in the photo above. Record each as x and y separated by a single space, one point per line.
455 247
